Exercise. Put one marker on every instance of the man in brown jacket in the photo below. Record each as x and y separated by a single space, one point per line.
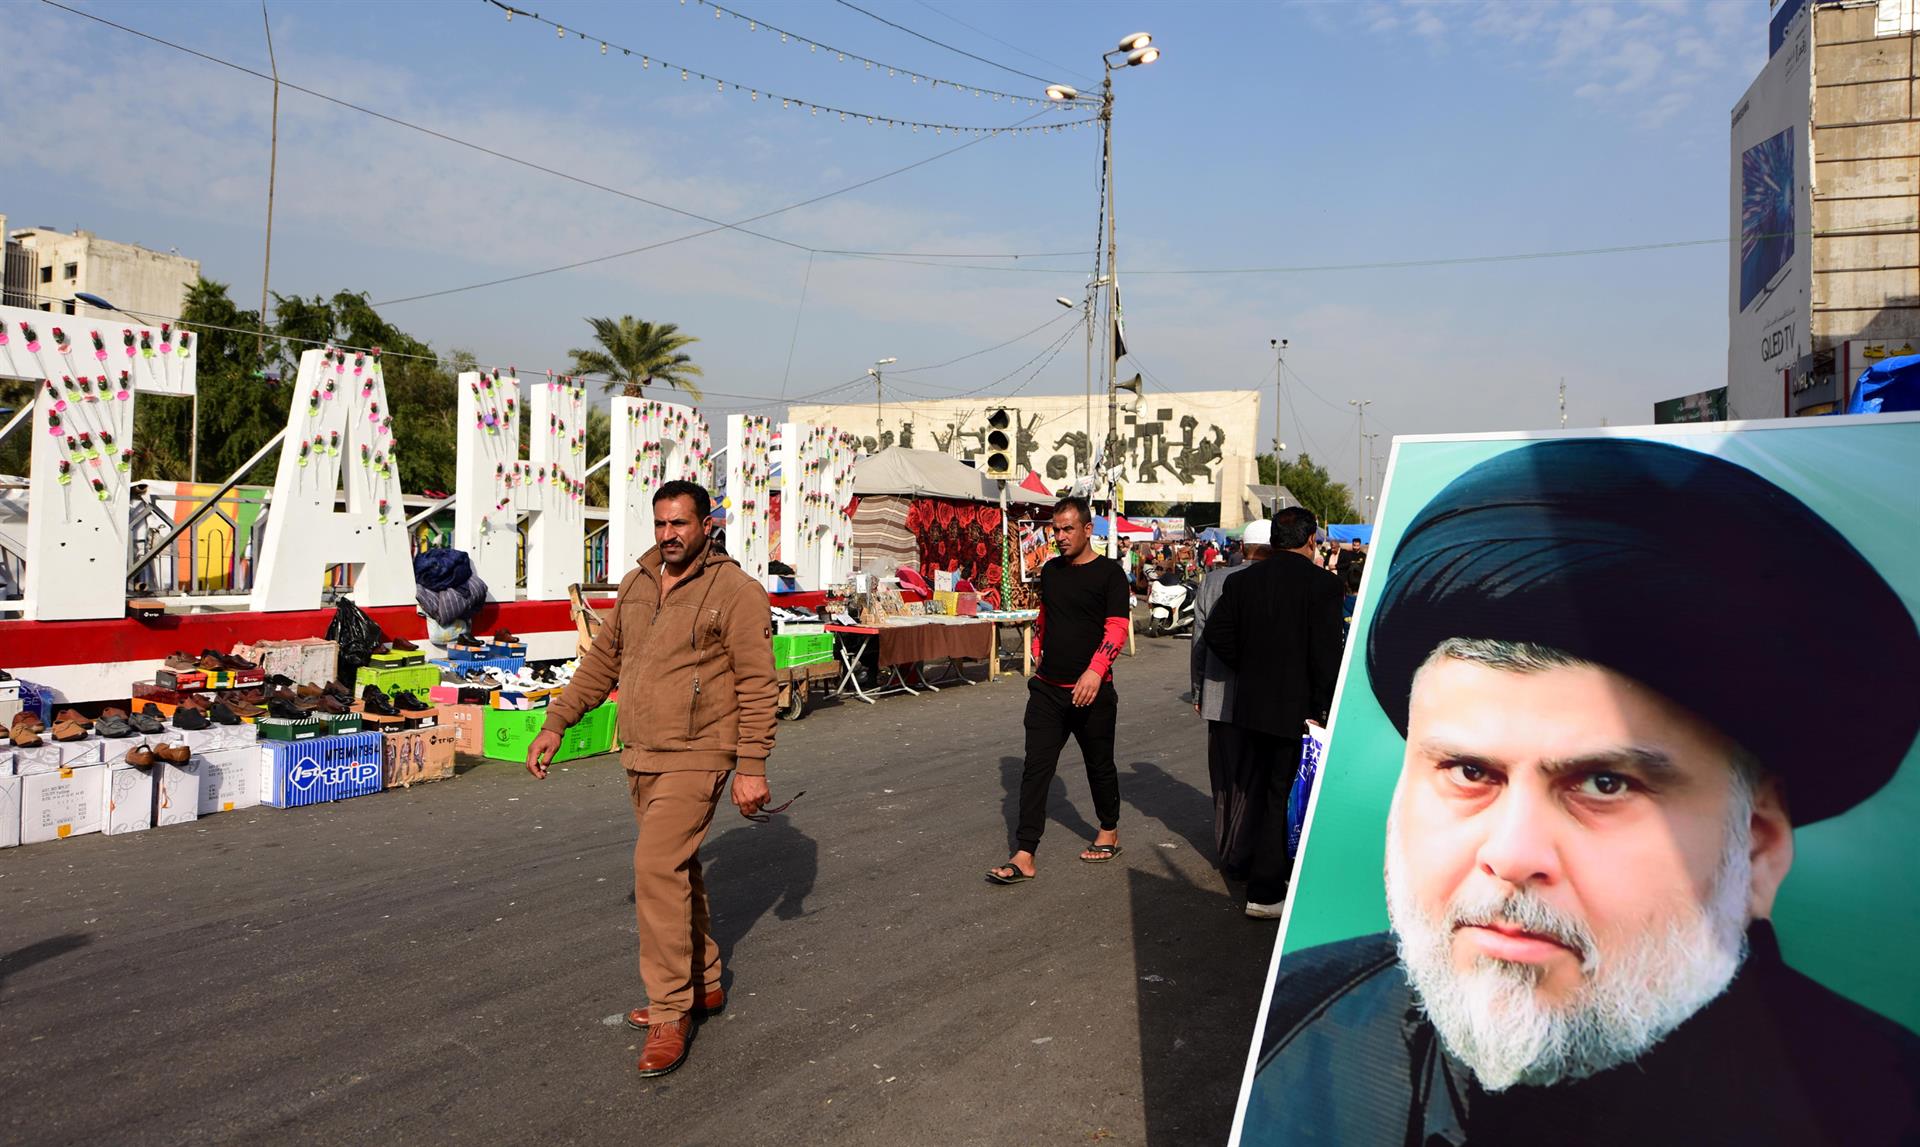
690 643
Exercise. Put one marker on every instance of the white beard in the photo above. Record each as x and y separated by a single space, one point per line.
1491 1017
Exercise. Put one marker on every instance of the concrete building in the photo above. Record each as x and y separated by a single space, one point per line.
1181 447
45 268
1826 260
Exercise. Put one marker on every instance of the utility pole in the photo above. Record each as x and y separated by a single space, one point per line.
879 411
1359 445
1279 368
1563 402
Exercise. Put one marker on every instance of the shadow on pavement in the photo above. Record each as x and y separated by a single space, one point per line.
1180 806
1059 808
40 951
1199 969
753 869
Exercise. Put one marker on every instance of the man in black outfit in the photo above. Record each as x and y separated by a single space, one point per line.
1080 632
1277 626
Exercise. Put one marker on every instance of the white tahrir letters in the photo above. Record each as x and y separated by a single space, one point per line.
496 485
338 449
816 483
749 492
658 442
86 373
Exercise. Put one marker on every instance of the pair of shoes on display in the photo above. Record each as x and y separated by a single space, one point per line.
145 756
68 731
191 717
372 700
26 729
147 720
283 706
111 726
214 660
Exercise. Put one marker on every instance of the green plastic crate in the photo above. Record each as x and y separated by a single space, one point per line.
416 679
509 732
793 650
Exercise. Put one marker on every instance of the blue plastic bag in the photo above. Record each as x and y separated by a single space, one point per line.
1313 748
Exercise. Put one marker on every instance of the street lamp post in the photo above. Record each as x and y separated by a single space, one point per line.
1359 445
879 412
1134 50
1279 367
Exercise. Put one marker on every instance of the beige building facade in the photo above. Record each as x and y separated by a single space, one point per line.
1187 446
45 269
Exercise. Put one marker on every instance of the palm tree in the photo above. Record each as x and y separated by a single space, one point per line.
633 354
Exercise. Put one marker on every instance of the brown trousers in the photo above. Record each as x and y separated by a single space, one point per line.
679 960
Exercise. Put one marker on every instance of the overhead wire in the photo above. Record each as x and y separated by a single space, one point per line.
1005 44
843 54
647 60
984 350
941 44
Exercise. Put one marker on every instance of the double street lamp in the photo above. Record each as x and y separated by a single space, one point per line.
1134 50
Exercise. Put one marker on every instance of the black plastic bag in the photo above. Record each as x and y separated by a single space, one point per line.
357 635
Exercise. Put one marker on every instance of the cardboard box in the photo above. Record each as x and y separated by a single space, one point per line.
469 726
320 770
126 794
417 679
180 680
308 661
176 793
51 755
60 804
397 659
338 723
510 733
793 650
229 779
421 718
281 729
10 810
416 756
241 736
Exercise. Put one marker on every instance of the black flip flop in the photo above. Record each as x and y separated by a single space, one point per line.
1107 852
1018 877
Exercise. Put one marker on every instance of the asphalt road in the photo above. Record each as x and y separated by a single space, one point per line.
448 963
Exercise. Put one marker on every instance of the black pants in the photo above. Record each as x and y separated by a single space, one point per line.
1272 867
1051 717
1240 765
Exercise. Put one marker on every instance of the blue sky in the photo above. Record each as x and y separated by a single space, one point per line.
1269 135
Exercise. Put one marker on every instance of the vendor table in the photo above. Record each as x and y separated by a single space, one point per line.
907 646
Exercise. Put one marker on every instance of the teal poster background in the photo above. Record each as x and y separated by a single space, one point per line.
1849 912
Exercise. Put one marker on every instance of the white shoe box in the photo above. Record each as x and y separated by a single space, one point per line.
229 779
126 796
65 802
52 756
240 736
9 810
176 793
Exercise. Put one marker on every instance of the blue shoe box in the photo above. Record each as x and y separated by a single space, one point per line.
510 664
297 773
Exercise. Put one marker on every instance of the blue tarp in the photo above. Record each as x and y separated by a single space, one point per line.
1888 385
1364 534
1214 534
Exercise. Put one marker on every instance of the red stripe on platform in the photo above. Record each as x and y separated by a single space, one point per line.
125 639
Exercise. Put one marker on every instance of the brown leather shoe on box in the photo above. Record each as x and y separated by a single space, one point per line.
114 711
666 1048
141 757
23 736
75 716
69 731
173 754
711 1004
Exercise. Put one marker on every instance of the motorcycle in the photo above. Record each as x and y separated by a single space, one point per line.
1170 609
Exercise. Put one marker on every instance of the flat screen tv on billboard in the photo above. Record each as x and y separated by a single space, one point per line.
1766 215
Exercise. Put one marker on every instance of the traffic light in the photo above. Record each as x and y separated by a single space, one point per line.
999 442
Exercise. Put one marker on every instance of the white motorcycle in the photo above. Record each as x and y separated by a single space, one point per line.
1170 609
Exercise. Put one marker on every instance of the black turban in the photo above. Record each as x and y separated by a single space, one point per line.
1688 573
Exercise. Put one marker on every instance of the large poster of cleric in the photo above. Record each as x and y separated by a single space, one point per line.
1771 264
1613 842
1182 446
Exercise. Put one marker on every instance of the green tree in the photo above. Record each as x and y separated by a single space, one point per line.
239 408
634 354
1330 501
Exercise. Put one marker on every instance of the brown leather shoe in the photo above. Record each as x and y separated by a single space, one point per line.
68 731
23 735
666 1048
173 754
713 1003
114 711
75 716
141 757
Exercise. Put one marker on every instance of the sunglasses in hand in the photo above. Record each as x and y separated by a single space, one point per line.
767 814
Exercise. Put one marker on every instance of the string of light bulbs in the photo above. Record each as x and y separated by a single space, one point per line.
841 55
872 119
